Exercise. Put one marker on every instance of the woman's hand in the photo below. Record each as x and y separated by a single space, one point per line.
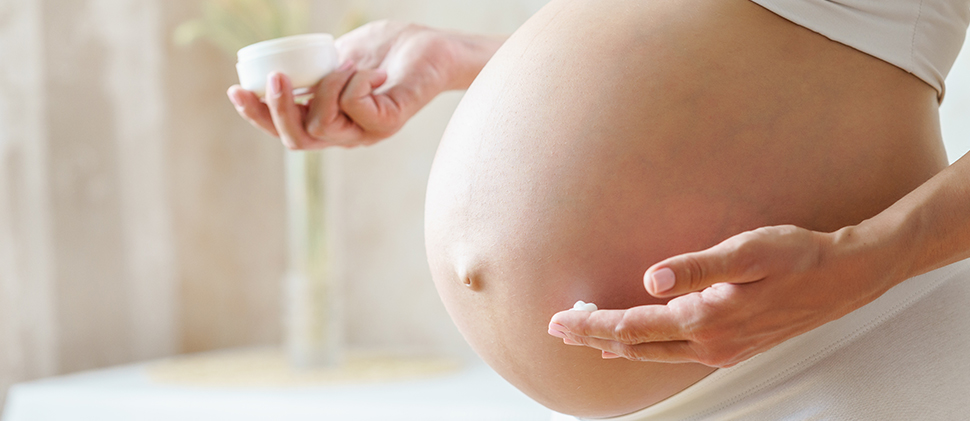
736 299
390 71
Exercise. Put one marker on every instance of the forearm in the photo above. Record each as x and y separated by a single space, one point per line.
470 53
926 229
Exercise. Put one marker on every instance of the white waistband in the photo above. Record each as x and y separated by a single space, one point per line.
921 37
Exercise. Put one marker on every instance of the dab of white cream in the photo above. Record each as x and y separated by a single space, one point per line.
582 306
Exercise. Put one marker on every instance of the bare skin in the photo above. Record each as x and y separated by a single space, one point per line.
583 158
578 159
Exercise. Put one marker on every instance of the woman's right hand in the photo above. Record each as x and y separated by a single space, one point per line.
390 71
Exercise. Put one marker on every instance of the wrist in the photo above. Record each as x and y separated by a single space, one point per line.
878 249
468 55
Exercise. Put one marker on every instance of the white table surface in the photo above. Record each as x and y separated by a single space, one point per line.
130 393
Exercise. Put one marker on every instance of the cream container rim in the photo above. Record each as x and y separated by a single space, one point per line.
279 45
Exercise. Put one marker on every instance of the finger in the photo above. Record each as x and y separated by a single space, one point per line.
637 325
286 114
378 114
733 260
662 352
325 120
252 109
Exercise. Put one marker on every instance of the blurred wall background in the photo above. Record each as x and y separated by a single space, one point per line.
955 111
141 217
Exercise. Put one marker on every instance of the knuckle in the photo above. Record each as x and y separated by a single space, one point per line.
744 257
750 238
349 104
628 352
641 354
695 272
319 131
626 332
335 132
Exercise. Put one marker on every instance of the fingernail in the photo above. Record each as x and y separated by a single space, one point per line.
609 355
346 66
568 341
556 332
232 98
663 280
275 85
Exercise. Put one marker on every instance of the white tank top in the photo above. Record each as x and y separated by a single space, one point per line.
921 37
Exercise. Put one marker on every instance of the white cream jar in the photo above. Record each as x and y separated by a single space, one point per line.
305 59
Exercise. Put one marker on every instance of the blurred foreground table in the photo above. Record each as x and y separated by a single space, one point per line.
257 385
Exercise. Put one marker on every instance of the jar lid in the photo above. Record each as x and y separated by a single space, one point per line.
279 45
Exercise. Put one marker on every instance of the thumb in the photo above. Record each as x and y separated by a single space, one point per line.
730 261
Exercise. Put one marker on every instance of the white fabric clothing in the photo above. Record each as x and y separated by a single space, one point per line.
922 37
905 356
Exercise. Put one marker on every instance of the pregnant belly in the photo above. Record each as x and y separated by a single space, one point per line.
607 135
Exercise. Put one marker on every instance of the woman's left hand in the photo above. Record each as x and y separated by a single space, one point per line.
736 299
